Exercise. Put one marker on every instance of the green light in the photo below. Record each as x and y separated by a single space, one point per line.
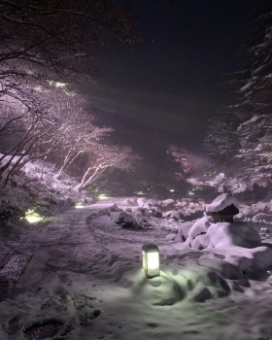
140 193
171 190
102 197
79 205
151 260
190 193
32 217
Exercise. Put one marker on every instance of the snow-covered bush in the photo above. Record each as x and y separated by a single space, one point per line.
8 211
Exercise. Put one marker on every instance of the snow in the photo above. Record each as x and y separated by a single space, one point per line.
221 202
15 159
246 87
200 226
82 274
251 120
212 182
85 273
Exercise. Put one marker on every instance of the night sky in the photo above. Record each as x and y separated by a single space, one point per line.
165 91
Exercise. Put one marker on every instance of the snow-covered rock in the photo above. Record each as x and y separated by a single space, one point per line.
200 227
114 208
147 206
130 201
124 219
168 202
156 211
223 235
181 204
139 214
167 214
152 202
184 229
141 201
261 217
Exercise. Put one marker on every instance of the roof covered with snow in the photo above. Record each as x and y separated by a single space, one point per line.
221 202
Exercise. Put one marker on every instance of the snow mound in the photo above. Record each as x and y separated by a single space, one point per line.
250 262
141 201
198 228
221 202
196 280
204 234
162 290
125 220
229 234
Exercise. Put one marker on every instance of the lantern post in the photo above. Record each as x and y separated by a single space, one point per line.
151 260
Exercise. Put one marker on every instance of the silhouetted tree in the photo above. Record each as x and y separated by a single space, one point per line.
222 142
59 38
243 138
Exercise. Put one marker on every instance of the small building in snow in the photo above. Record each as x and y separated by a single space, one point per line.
223 208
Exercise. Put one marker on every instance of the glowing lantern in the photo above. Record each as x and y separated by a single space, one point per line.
140 193
103 197
32 217
79 205
151 260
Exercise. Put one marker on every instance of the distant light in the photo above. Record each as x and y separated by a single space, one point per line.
190 193
151 260
79 205
140 193
102 197
58 84
32 217
171 190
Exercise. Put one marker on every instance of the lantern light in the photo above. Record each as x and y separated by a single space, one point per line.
103 197
151 260
140 193
79 205
32 217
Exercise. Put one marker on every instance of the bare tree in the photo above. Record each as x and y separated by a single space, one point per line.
24 150
103 160
55 41
60 38
77 135
43 46
10 126
33 133
63 132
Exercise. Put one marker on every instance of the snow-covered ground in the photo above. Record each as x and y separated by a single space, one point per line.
76 273
81 276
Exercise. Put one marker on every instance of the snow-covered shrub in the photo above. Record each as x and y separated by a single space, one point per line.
125 220
222 235
8 211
